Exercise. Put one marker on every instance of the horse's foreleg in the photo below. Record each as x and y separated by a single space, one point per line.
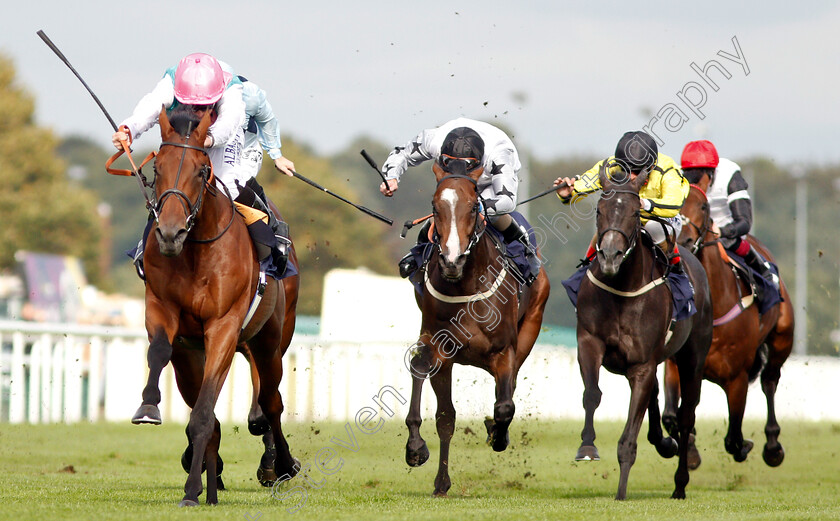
504 372
220 345
671 393
736 396
665 446
642 379
590 356
160 352
420 366
445 422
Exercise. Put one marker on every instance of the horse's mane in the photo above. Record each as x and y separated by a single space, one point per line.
183 120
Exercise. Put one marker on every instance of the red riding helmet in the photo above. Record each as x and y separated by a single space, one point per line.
700 154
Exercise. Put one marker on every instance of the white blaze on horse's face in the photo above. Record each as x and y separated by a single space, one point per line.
453 242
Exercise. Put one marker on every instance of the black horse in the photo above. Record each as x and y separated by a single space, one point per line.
624 323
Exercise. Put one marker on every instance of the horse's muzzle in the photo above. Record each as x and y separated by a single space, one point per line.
453 271
171 242
609 260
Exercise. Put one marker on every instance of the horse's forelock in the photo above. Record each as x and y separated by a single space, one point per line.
184 121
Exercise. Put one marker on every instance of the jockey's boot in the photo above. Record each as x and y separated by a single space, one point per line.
407 264
253 195
137 253
514 232
280 229
261 233
760 264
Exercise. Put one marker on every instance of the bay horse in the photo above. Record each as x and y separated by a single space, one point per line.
744 343
465 322
201 275
624 312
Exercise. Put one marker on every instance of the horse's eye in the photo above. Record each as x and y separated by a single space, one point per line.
475 208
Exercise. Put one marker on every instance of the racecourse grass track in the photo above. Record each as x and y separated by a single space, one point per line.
120 471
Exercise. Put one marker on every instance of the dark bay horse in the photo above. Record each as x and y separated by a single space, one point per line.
472 314
742 347
201 276
623 318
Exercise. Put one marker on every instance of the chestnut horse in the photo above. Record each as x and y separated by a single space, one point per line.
624 311
472 314
742 347
201 276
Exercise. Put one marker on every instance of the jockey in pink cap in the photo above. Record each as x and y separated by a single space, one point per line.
198 83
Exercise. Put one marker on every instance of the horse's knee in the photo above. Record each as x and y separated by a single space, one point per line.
627 451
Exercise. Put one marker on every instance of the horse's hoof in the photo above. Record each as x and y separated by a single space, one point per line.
188 503
741 455
259 426
418 457
773 457
266 477
694 459
439 493
220 485
678 494
148 414
668 447
500 444
587 453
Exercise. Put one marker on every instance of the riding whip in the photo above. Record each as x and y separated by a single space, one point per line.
368 211
61 56
372 164
546 192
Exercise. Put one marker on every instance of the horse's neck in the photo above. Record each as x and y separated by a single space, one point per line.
722 281
213 215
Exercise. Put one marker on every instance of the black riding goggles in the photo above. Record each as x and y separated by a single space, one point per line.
470 163
200 108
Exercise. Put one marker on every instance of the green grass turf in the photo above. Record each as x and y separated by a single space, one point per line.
120 471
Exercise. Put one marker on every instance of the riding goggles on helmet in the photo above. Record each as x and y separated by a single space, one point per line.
469 162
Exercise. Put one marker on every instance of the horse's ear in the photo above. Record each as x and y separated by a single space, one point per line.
438 171
603 177
640 180
475 174
165 126
203 125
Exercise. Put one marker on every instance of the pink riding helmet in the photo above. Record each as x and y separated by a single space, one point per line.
199 80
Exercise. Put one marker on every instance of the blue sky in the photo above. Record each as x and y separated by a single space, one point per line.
567 78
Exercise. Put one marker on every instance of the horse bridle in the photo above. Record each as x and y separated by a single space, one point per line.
700 242
631 239
205 173
478 230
